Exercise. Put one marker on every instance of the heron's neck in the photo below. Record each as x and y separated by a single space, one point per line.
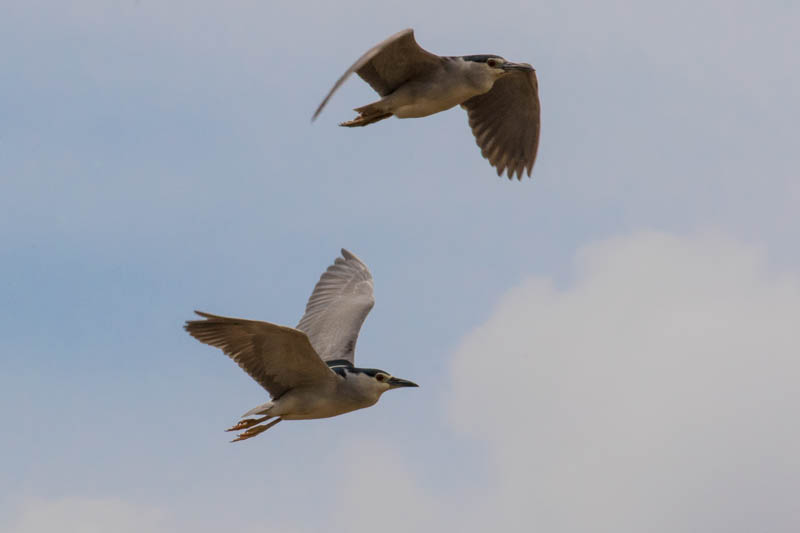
340 366
473 73
358 384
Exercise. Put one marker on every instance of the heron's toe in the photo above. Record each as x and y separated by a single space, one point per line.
252 432
243 436
244 424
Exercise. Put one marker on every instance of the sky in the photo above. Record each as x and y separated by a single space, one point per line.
611 345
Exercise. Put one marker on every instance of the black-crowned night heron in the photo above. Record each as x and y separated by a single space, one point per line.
307 371
501 97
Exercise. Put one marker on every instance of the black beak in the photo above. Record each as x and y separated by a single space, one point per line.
396 383
517 66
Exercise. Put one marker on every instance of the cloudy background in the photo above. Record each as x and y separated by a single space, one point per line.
611 346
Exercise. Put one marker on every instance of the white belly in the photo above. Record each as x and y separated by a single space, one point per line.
299 405
422 109
414 101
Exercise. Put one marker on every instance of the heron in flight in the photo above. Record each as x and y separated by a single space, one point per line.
308 371
501 98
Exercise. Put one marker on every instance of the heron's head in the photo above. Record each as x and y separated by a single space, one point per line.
496 66
371 382
368 382
384 381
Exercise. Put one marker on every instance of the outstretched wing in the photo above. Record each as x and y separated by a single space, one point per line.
337 308
505 122
277 357
389 64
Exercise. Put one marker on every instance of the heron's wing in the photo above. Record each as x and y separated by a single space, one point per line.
389 64
505 122
337 308
277 357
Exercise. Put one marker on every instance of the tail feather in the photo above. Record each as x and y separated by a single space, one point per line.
374 108
363 120
262 409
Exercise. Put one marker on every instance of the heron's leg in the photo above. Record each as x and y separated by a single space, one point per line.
244 424
252 432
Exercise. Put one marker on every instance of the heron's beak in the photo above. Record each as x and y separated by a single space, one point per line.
517 66
396 383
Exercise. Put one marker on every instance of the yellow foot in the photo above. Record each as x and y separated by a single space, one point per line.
363 120
244 424
252 432
358 121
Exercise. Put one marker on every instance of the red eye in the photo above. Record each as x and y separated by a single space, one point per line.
380 377
492 63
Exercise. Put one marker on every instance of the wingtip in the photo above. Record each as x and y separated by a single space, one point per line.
320 107
399 33
516 172
347 255
187 325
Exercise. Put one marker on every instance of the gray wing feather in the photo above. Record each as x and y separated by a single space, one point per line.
277 357
337 308
506 123
389 64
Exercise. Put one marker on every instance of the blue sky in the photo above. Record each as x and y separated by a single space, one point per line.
157 158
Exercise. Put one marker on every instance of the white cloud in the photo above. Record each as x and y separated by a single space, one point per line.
115 515
657 393
381 493
76 515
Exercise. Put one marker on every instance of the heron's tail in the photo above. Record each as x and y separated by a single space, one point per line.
262 409
368 114
363 120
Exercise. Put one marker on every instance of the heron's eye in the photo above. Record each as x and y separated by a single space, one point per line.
493 62
381 377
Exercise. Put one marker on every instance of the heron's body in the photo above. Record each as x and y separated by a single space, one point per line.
501 97
456 82
333 398
307 370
